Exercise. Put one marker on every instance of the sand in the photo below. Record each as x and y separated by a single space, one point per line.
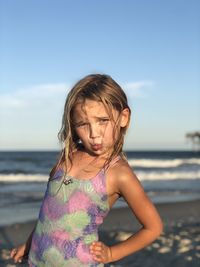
178 245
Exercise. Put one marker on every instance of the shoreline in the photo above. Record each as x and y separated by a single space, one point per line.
27 209
171 213
178 245
163 209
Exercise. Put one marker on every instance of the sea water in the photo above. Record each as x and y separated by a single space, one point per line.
167 176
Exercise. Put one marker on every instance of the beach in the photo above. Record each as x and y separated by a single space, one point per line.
177 246
170 178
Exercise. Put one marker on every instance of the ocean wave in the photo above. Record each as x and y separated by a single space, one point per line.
162 163
142 175
166 175
6 178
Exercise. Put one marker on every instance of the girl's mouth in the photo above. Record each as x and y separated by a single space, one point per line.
96 147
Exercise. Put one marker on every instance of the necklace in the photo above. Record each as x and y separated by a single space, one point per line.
67 181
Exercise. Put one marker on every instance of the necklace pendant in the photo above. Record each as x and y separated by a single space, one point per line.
67 181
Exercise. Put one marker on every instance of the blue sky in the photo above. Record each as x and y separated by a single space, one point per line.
151 48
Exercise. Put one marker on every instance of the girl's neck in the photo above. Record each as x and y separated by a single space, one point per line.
83 165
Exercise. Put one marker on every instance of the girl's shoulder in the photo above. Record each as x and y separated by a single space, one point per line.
123 180
120 170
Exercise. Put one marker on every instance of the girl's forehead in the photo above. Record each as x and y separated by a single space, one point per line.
91 107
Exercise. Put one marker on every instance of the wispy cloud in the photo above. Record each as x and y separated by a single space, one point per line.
45 95
33 96
32 116
138 89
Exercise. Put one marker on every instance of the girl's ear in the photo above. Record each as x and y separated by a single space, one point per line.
124 117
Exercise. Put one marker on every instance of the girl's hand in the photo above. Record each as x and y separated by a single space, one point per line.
101 252
19 253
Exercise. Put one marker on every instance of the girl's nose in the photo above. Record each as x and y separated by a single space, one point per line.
94 131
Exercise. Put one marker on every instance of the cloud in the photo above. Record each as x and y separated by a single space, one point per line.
39 95
46 95
31 117
138 89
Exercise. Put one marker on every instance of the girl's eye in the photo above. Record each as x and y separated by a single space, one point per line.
103 121
81 124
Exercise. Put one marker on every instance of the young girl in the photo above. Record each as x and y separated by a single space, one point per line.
91 174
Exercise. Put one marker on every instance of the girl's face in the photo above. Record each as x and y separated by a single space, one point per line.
95 128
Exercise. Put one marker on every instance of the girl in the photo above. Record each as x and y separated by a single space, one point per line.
91 174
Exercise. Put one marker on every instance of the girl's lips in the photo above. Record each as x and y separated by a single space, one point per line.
96 147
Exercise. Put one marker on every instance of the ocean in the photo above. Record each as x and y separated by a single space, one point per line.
167 176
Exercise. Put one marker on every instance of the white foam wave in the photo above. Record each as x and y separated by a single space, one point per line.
23 178
142 175
162 163
165 175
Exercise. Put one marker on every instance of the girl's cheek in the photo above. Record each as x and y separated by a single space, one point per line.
81 133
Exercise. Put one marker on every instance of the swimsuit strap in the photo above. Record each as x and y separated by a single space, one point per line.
113 161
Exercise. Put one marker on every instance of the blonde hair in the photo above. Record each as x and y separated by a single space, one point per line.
97 87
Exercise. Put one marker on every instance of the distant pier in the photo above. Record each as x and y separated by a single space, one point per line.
194 138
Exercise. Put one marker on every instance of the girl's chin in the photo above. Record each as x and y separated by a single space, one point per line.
96 152
101 153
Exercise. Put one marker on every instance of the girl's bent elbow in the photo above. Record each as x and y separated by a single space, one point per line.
159 229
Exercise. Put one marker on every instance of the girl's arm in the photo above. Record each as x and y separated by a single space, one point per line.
131 189
145 212
22 251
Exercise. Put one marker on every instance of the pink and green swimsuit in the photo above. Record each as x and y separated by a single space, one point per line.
68 222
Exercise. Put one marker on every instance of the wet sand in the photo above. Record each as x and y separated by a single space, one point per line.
178 245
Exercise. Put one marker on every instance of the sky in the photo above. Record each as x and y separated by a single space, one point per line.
150 47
